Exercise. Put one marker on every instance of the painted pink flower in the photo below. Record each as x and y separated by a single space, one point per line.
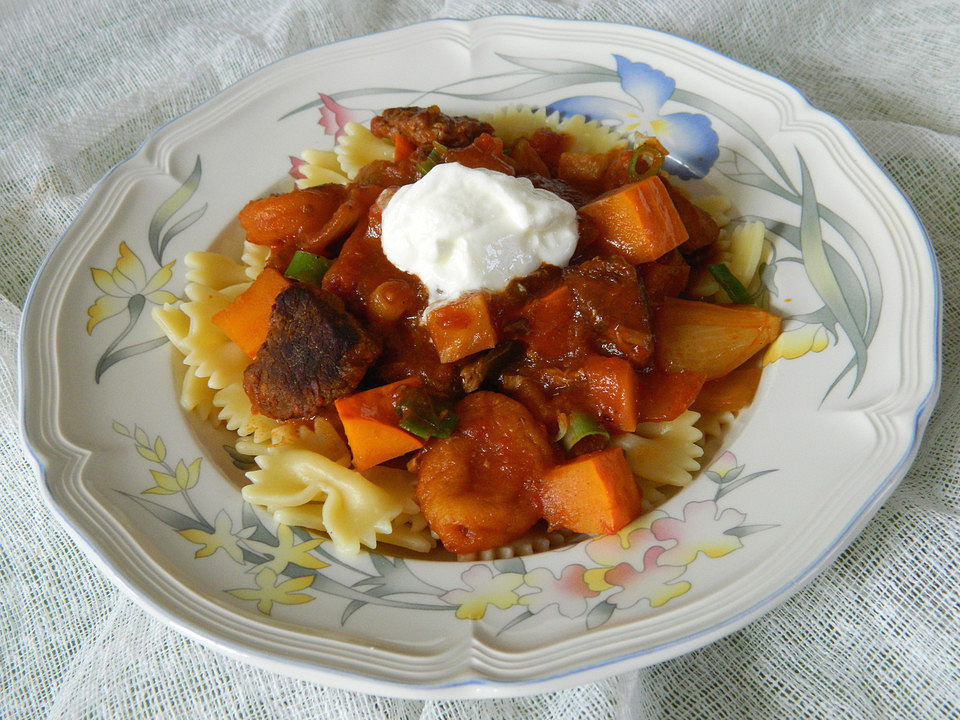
295 168
610 550
333 116
569 592
724 464
703 529
654 583
485 589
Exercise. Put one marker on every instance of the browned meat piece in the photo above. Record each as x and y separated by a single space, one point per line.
609 296
315 352
701 228
427 125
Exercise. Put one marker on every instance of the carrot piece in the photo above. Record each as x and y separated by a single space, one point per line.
637 221
272 220
665 396
730 393
402 147
462 327
708 338
595 493
610 389
247 319
372 426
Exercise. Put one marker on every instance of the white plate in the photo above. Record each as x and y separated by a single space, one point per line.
831 432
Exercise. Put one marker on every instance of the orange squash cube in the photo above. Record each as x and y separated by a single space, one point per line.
595 493
638 221
372 426
462 328
246 320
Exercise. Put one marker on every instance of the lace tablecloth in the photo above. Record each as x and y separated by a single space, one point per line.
83 82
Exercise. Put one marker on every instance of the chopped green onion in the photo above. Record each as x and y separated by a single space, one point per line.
425 416
435 156
577 426
652 151
307 267
728 281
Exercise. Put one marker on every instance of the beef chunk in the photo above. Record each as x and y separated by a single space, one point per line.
423 126
315 352
609 295
701 229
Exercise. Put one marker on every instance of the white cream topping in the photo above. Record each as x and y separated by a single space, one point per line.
462 229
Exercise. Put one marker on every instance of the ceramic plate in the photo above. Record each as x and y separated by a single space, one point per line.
154 497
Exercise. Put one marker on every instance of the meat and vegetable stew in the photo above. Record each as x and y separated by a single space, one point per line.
494 375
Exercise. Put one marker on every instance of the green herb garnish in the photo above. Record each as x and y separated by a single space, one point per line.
425 416
576 426
307 267
728 281
434 158
651 151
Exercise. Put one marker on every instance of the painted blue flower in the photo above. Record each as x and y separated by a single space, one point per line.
691 140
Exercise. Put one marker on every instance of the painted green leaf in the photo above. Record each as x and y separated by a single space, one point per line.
239 460
525 615
178 521
169 208
729 487
557 66
736 122
742 531
821 275
109 359
599 614
180 226
525 89
351 608
738 167
159 449
120 429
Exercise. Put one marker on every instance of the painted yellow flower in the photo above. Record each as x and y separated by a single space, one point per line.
653 583
799 341
486 589
703 529
611 550
126 281
569 592
269 592
288 552
222 538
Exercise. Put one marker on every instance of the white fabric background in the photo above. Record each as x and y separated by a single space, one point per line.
83 82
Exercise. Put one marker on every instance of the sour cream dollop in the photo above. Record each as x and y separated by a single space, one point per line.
463 229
